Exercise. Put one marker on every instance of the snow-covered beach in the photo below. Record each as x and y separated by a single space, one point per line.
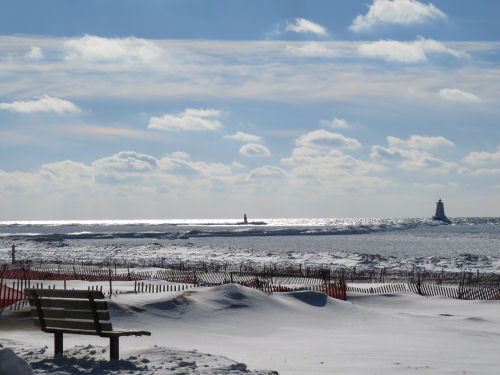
232 329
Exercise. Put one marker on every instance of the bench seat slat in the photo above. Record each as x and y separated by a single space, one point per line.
124 332
74 324
73 331
68 303
117 333
70 314
62 293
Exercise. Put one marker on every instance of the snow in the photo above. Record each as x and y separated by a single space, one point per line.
232 329
91 359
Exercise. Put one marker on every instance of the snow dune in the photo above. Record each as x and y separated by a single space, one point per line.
197 331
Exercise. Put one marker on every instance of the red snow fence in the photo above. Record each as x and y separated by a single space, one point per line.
337 290
10 296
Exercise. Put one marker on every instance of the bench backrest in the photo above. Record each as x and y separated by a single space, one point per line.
82 311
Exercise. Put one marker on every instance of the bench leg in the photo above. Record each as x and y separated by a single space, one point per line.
58 344
114 348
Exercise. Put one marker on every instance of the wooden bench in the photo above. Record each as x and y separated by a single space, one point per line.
75 311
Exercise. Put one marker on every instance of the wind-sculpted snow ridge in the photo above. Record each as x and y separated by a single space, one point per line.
219 301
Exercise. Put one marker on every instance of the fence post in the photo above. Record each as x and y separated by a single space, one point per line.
110 283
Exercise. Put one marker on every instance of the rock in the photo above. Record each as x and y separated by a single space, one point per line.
11 364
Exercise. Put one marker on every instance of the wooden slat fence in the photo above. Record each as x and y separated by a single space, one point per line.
73 273
145 287
268 279
475 292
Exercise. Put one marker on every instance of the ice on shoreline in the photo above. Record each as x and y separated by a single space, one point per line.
467 244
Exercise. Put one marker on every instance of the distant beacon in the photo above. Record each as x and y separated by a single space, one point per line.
440 213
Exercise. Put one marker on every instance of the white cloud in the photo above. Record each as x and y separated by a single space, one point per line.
301 25
189 120
66 174
267 172
459 96
387 154
137 169
300 154
35 53
419 142
417 161
477 158
321 139
333 172
434 46
237 165
411 154
125 173
96 49
244 137
253 150
179 164
336 123
126 162
407 52
310 49
396 12
391 50
43 104
318 164
480 171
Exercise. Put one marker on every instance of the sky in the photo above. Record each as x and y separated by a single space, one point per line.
209 109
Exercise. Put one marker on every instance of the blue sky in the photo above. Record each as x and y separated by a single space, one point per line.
179 109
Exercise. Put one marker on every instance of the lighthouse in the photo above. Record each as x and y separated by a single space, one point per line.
440 213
